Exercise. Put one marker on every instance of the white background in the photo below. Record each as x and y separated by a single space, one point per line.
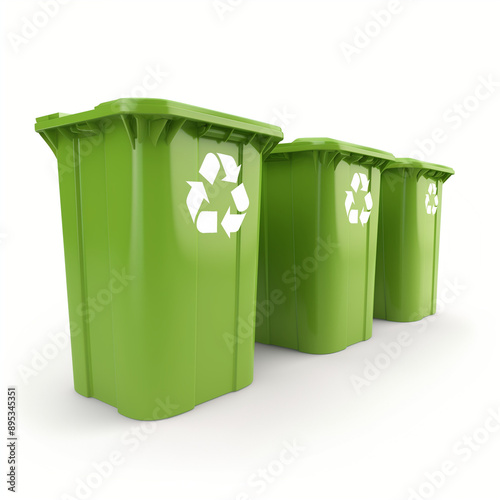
281 62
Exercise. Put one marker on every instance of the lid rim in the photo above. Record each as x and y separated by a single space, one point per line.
161 107
418 164
328 144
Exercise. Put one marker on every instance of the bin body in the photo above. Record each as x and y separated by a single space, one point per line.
408 240
317 245
155 294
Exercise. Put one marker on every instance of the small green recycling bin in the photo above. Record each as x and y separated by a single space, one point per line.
318 244
408 239
160 211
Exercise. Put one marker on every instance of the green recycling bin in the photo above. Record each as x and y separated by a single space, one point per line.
318 244
408 239
160 213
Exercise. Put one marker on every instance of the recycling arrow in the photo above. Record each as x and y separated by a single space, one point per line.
349 201
230 168
364 182
210 167
355 182
195 197
368 201
207 222
232 222
364 216
240 198
353 216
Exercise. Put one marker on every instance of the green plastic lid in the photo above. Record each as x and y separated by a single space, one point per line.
421 165
327 144
160 108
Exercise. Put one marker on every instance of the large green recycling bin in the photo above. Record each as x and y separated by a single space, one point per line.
160 212
318 244
408 240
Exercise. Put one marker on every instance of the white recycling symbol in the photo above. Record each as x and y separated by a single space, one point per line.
206 221
359 182
431 199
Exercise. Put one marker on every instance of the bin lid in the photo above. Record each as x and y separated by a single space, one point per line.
421 165
160 108
327 144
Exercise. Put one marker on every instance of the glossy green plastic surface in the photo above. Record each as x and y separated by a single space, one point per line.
408 239
317 256
159 310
